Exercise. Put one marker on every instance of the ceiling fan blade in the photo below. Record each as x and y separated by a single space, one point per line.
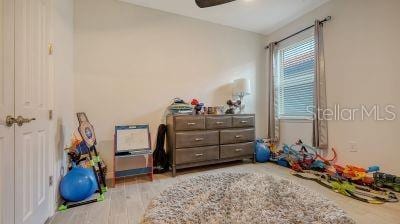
210 3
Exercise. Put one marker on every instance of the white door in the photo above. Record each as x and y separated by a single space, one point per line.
6 109
32 102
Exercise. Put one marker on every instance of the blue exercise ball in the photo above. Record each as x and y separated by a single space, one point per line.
262 152
89 172
76 185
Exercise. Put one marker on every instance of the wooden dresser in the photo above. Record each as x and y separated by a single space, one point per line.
197 140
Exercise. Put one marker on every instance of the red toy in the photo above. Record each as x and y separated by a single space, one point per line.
195 102
197 105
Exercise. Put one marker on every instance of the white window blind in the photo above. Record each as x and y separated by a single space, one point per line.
296 69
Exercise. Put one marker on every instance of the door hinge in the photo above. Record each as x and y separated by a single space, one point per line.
50 114
51 49
50 181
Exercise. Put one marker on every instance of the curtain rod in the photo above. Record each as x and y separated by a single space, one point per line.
309 27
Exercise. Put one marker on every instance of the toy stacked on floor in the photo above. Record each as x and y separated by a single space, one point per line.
387 180
86 174
354 182
262 151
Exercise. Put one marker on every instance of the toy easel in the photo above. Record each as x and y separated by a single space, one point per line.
133 155
86 131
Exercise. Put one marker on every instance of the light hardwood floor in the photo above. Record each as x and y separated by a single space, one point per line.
126 203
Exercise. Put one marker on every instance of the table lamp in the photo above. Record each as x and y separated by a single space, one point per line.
241 88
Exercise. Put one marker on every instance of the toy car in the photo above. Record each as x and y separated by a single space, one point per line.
387 180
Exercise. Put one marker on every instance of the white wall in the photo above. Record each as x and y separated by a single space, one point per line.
361 50
130 62
62 60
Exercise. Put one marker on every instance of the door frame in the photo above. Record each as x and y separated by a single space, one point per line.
7 199
53 129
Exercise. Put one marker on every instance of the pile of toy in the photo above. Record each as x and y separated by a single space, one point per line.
196 107
86 170
367 185
78 154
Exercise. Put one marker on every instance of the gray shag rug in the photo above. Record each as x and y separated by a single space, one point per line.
241 198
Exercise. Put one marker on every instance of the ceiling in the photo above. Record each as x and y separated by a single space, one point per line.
260 16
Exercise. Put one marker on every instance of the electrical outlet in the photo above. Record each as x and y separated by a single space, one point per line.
353 146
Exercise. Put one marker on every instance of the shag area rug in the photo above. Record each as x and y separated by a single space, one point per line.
241 198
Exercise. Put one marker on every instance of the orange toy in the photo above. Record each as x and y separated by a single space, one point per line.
354 173
357 174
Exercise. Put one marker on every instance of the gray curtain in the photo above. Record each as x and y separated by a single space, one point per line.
273 121
320 124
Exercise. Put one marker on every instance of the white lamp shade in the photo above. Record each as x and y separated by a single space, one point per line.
241 87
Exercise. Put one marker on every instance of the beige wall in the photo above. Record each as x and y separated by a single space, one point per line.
361 49
130 62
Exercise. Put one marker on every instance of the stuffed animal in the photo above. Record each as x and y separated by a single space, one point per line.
197 105
233 105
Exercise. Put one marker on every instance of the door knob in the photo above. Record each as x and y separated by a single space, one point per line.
10 120
21 120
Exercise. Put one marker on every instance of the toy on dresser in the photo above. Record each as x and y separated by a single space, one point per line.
198 107
233 105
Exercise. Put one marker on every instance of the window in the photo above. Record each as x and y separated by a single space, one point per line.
296 69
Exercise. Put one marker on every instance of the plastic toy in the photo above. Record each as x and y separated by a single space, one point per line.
283 162
372 169
80 183
262 152
346 188
387 180
233 105
356 174
275 152
318 165
298 156
197 105
179 106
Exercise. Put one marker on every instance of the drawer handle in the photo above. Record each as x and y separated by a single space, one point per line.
199 154
191 123
238 150
238 136
243 122
219 122
199 139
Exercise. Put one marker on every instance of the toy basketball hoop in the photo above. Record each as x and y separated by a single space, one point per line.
86 130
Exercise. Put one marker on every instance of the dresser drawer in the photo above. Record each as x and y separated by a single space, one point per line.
237 136
218 122
237 150
196 138
187 123
190 155
242 121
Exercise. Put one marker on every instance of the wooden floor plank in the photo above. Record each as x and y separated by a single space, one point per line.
127 202
99 212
